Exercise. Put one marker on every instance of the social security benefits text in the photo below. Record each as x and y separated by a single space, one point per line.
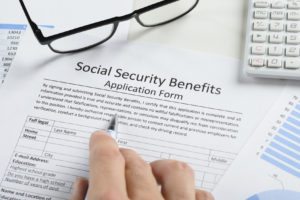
205 88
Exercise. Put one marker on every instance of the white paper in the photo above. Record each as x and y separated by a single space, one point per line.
10 40
68 14
50 106
268 166
212 27
10 36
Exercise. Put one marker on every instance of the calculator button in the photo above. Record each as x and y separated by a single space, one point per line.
274 63
276 26
259 37
261 4
294 5
293 15
275 51
292 64
260 25
258 50
261 14
292 51
276 38
293 27
293 39
277 14
257 62
278 5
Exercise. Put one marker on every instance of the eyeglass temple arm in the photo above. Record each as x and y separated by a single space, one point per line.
154 6
139 11
37 32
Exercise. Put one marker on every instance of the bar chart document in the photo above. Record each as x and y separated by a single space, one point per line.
269 165
13 23
10 37
171 104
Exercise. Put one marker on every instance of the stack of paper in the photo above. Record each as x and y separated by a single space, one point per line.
172 104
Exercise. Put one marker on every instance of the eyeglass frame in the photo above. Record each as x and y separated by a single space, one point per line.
114 21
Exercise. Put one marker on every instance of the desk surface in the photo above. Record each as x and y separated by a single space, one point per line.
213 27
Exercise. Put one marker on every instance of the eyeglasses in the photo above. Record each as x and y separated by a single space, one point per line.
78 39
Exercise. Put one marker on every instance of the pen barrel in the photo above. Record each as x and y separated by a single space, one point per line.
112 133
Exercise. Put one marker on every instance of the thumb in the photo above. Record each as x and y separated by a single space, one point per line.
80 188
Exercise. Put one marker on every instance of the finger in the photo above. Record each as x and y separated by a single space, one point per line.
176 179
203 195
80 188
107 169
140 181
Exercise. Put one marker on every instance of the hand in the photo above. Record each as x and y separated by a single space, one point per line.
121 174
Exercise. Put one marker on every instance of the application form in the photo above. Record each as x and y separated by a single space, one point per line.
171 103
269 165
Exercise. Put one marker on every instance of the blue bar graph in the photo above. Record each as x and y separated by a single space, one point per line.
283 158
291 128
47 26
296 114
298 107
21 26
13 26
287 143
294 121
280 165
289 136
284 149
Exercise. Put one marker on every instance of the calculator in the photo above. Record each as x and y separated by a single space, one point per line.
272 47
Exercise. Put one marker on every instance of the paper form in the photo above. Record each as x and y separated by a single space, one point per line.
172 104
268 166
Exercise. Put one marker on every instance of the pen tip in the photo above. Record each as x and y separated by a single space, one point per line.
113 122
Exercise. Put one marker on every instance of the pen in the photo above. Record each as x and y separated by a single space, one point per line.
112 127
